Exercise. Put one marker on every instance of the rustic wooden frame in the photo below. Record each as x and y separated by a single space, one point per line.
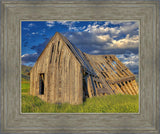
13 121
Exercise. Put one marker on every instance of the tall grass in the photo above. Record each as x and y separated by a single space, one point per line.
100 104
104 104
25 87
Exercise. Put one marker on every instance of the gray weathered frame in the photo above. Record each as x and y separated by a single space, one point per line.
146 121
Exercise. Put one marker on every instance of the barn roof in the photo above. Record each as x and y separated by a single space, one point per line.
79 55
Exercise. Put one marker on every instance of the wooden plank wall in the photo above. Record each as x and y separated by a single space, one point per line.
63 76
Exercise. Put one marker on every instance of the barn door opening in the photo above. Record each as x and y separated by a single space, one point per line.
41 83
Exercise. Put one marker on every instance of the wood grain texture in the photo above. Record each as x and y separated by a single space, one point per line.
146 121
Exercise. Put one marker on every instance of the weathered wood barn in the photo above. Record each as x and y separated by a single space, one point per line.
64 74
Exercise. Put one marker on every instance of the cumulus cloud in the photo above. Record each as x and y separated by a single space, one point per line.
95 52
67 23
110 37
30 25
26 58
104 43
50 23
71 25
119 28
33 33
126 42
104 37
131 60
27 29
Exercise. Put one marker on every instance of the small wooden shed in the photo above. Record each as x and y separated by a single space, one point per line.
64 74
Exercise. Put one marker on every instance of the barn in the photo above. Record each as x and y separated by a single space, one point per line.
65 74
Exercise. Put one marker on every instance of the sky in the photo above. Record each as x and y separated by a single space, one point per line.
120 38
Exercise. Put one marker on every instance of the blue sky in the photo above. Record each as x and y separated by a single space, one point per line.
93 37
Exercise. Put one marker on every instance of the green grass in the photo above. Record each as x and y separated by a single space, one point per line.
101 104
25 87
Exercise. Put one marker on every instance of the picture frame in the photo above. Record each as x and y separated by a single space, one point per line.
13 121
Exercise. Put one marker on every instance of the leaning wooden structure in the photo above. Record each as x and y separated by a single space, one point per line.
64 74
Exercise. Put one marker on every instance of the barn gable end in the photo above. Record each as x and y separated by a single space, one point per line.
62 71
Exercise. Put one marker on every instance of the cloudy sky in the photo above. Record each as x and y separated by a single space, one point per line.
93 37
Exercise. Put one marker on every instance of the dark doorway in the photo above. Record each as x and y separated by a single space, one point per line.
41 83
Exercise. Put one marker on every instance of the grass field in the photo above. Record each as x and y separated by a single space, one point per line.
25 87
103 104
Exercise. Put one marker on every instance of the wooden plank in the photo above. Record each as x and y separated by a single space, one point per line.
123 89
133 90
127 88
89 87
102 78
68 78
123 86
95 86
135 86
122 79
120 90
103 90
122 66
80 81
114 66
109 71
119 69
96 67
96 79
65 94
72 80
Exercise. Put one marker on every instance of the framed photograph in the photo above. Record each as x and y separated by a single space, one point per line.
97 75
80 66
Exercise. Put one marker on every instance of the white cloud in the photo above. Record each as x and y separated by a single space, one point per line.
103 37
67 23
95 52
70 25
128 27
73 28
34 33
30 25
124 27
27 29
106 39
127 41
106 23
26 58
50 23
130 60
97 29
